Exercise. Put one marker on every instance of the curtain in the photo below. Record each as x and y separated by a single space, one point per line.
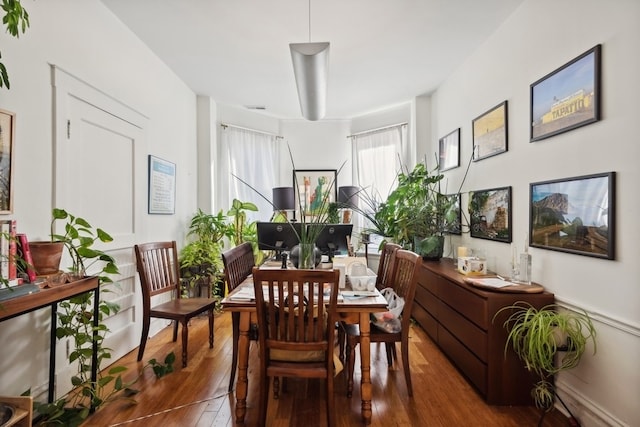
254 157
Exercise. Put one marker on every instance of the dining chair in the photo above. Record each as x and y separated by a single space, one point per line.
158 268
404 280
296 322
238 263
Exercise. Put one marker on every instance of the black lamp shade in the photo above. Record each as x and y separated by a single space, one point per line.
348 196
283 199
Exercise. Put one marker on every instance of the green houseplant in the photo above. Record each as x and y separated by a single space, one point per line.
16 19
243 230
548 340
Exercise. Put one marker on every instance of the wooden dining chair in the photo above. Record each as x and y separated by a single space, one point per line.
296 322
404 279
238 263
158 269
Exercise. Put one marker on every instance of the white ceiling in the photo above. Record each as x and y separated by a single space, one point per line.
383 52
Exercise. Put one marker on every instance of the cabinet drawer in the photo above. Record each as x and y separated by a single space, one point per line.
426 321
427 300
472 337
470 305
428 280
465 361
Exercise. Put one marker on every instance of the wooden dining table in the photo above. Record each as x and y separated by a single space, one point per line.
349 309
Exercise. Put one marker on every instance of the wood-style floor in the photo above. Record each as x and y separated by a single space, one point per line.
197 395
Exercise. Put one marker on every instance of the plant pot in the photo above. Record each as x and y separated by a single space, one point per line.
430 248
46 257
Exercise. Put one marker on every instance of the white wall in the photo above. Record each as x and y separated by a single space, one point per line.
86 40
539 37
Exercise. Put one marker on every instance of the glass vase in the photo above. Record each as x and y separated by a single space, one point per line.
307 256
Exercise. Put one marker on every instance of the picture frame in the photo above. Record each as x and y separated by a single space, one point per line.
490 214
313 189
162 186
7 138
456 226
490 132
449 151
574 215
567 98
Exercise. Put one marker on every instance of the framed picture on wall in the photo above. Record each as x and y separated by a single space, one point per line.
7 135
449 148
162 186
566 98
490 214
574 215
315 189
490 132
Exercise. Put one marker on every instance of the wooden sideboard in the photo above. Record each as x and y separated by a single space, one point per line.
460 319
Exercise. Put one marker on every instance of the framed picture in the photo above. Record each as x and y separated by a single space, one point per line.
490 214
7 135
316 188
567 98
490 132
450 151
162 186
574 215
456 226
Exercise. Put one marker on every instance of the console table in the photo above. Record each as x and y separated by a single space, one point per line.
460 319
50 297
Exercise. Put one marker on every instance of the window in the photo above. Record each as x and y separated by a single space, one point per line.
254 157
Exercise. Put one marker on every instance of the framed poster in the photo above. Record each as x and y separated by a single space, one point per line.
490 132
315 189
490 214
162 186
574 215
7 135
567 98
449 147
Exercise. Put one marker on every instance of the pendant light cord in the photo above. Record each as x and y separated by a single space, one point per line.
309 21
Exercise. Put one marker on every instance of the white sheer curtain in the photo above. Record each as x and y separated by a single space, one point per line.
254 157
377 158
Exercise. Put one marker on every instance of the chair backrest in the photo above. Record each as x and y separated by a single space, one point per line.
303 317
405 280
238 262
385 266
158 268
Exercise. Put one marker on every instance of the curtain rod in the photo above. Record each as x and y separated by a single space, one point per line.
377 129
224 126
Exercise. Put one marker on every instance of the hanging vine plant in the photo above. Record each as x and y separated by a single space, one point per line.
16 20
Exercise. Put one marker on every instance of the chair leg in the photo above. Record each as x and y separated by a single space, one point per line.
331 420
387 347
235 325
211 328
351 356
175 331
264 399
276 388
185 339
341 341
143 339
405 364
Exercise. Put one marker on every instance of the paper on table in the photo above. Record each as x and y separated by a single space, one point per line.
492 282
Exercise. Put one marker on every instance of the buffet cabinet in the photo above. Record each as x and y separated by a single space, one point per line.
460 319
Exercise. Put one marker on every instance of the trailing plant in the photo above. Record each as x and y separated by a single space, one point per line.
548 341
16 19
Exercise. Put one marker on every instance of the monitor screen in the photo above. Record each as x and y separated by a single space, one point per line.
278 236
332 239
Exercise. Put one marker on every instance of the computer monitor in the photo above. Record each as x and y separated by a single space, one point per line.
278 236
332 239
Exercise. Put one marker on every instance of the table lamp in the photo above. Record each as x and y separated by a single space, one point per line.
283 200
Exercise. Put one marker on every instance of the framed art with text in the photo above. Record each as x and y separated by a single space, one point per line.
315 189
566 98
7 135
162 186
490 214
574 215
449 151
490 132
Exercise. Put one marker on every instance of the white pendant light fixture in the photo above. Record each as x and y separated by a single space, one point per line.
311 69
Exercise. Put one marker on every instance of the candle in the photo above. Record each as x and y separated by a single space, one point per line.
463 251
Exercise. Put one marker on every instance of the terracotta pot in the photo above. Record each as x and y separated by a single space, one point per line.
46 256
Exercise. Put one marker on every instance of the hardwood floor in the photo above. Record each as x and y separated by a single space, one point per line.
197 395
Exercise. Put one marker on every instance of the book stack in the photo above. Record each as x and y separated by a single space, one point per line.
16 262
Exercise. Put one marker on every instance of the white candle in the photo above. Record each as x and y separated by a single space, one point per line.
462 251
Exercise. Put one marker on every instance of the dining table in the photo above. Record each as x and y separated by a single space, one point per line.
352 307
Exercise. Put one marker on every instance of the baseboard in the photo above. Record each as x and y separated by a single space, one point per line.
583 409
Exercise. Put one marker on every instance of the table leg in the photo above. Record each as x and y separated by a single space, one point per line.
243 364
365 362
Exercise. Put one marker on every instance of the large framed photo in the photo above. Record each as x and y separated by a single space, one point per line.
490 132
449 147
162 186
567 98
490 214
7 135
574 215
316 188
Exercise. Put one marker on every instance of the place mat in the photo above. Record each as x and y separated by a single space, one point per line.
496 284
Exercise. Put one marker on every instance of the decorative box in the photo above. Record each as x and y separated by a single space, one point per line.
472 266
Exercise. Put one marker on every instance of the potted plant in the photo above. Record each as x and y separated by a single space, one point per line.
242 230
548 340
